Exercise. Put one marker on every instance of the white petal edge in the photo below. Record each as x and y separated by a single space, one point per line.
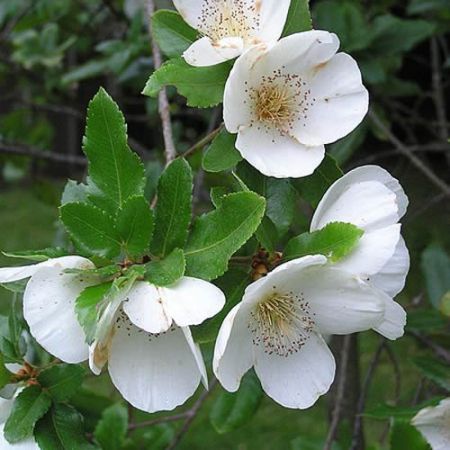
191 11
355 176
277 155
190 301
144 307
272 19
204 52
11 274
233 353
49 310
300 379
153 372
393 325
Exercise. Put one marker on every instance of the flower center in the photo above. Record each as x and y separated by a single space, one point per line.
279 101
282 323
236 18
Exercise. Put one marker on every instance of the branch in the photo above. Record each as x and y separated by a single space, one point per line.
164 110
336 416
202 142
36 153
403 149
157 421
439 351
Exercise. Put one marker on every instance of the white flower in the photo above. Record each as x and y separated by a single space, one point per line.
143 334
434 424
370 198
277 329
5 409
285 103
229 27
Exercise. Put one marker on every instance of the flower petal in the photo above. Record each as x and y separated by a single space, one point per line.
233 354
49 309
374 250
272 18
144 308
195 349
339 302
204 52
369 205
340 102
359 175
10 274
277 155
191 11
391 277
190 301
297 381
432 422
153 372
26 444
394 322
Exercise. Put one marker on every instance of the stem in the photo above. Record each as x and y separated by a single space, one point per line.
202 142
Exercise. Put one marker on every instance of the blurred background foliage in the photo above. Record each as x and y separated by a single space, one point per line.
53 57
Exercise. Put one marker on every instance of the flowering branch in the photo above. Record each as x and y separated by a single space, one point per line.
164 109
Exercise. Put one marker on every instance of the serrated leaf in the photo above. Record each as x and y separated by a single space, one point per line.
74 192
313 188
221 154
5 375
172 33
135 226
217 194
115 172
216 236
299 18
434 370
92 230
405 436
38 255
232 410
335 241
112 428
29 406
233 285
203 87
168 270
88 308
435 264
62 381
62 429
174 208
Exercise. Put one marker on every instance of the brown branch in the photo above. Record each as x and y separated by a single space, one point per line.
337 411
191 415
439 351
202 142
164 108
36 153
402 148
157 421
357 425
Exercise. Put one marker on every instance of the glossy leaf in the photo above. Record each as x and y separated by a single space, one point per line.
112 428
403 436
38 255
299 18
62 381
168 270
221 154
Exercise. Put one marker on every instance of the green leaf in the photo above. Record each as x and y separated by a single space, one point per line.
112 428
62 381
158 437
5 374
231 411
62 429
88 308
313 188
135 226
92 230
203 87
434 370
435 264
174 208
217 194
29 406
233 285
405 436
334 241
299 18
216 236
75 192
38 255
115 172
168 270
104 273
425 320
172 33
16 327
344 149
221 154
392 35
384 412
267 234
